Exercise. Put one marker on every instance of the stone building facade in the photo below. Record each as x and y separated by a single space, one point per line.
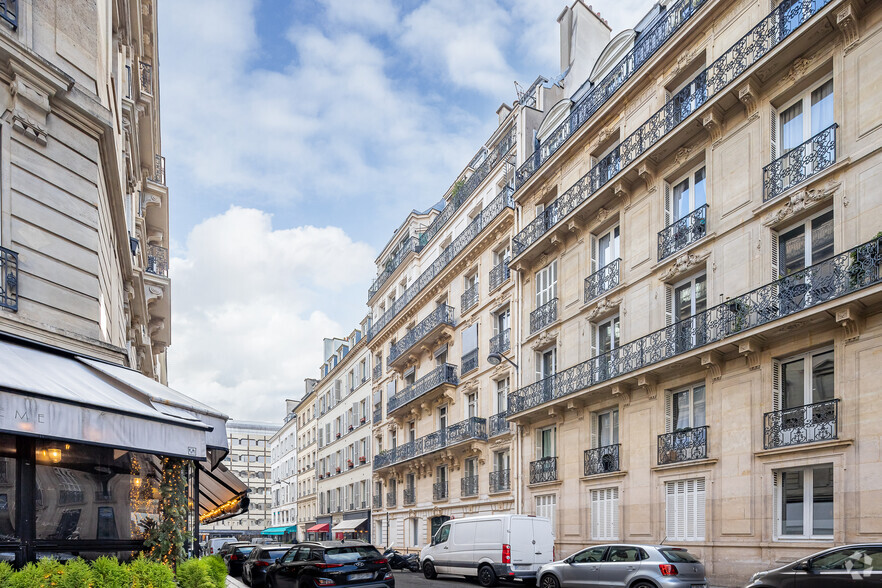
283 465
306 458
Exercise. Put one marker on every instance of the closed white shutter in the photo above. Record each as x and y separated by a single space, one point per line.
685 503
669 304
605 514
776 384
594 267
595 424
700 508
776 504
775 259
553 279
615 427
669 411
773 133
667 205
593 328
670 511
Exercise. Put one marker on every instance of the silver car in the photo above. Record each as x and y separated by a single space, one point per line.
631 566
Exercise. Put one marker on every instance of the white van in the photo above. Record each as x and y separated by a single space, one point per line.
214 544
491 548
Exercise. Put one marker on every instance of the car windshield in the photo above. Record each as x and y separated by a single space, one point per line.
245 550
350 554
678 556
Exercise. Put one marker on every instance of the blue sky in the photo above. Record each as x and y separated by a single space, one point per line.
298 135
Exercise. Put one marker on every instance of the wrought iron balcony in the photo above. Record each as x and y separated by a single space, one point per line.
602 460
716 78
391 500
501 343
157 261
470 361
439 491
409 497
803 424
158 176
8 279
684 232
470 297
444 374
682 445
500 480
496 207
378 415
603 280
543 470
378 372
543 316
470 429
442 316
378 501
412 244
828 280
145 76
499 274
9 12
499 424
469 486
800 163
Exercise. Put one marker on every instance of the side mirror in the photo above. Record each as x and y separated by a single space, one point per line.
278 560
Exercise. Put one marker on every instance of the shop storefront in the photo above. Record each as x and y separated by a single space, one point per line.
284 534
321 530
353 525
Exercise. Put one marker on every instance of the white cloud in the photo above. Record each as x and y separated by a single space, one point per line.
368 15
252 304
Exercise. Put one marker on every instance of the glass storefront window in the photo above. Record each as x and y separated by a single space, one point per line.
8 502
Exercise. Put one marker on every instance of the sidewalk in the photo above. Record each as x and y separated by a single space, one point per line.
234 583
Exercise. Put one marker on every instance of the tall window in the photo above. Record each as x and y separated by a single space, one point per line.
605 339
685 301
797 248
605 428
414 532
685 510
803 387
472 405
470 467
546 363
605 249
442 417
411 431
546 284
546 442
685 195
804 117
501 460
605 514
546 506
685 409
804 503
501 395
502 321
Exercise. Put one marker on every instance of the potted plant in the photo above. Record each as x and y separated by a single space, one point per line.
351 427
337 469
349 462
363 420
362 459
338 435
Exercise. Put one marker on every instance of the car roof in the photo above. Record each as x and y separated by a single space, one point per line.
328 544
643 545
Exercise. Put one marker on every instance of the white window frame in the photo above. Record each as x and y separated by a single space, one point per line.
546 284
604 511
613 413
501 396
595 334
689 176
685 510
669 406
806 225
472 408
546 506
806 99
807 503
539 445
778 392
540 363
615 237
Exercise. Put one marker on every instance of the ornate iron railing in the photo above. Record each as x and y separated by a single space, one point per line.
378 371
683 445
602 460
443 315
469 234
145 76
470 361
500 480
498 424
650 41
439 491
800 163
682 233
469 298
603 280
8 279
830 279
157 261
501 343
473 428
158 176
378 415
392 263
391 499
752 47
499 274
468 486
543 470
9 12
409 497
443 374
803 424
543 316
378 501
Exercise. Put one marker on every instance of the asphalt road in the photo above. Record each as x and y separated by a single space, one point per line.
418 580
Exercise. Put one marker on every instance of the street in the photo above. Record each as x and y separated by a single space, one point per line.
418 580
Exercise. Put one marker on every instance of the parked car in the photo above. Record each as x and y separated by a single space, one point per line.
315 564
213 545
634 566
235 557
849 565
490 548
227 547
261 558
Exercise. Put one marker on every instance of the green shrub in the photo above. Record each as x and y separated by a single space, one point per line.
27 577
218 570
195 573
144 573
108 573
6 572
76 574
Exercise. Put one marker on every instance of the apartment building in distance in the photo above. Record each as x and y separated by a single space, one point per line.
283 472
306 458
698 256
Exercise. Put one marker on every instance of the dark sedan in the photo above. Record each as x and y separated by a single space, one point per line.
318 564
850 565
261 558
236 557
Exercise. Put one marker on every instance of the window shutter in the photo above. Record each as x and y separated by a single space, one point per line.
615 426
593 328
670 511
355 415
594 267
776 504
595 514
700 506
667 204
595 423
776 384
669 304
538 434
690 510
614 514
775 259
669 412
773 133
553 278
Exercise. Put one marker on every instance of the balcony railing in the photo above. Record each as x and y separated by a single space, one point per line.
501 343
391 500
543 316
378 372
603 280
802 424
378 415
828 280
650 42
718 76
392 263
158 176
499 274
470 361
145 76
682 233
498 424
500 480
469 298
9 11
443 374
683 445
439 491
473 428
157 260
800 163
8 279
468 486
496 207
543 470
409 496
602 460
443 315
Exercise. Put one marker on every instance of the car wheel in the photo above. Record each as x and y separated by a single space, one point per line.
429 571
486 576
549 581
643 585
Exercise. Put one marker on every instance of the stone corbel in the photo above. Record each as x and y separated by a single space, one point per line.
801 200
646 171
574 404
748 94
649 383
713 122
153 294
148 200
847 21
155 325
623 392
544 339
622 191
684 263
851 319
603 306
751 350
30 104
713 361
154 237
574 226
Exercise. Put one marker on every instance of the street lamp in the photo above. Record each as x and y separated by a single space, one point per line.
496 358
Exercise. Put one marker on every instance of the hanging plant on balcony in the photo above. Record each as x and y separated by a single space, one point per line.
349 462
362 459
338 470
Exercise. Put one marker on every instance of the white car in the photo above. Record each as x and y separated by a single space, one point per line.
214 544
490 548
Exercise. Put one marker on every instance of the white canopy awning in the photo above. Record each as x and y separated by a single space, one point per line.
348 525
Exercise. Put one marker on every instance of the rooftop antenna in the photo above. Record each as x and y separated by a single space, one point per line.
520 92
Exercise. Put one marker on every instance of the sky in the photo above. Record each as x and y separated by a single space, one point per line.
298 135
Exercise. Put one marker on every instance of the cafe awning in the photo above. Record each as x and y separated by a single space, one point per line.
322 528
221 494
279 530
348 525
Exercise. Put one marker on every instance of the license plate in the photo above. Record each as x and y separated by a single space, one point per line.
364 576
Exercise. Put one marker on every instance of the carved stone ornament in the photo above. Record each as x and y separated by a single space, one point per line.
713 122
684 60
684 263
682 155
802 200
601 215
649 383
713 362
851 319
153 294
604 134
470 386
748 94
646 171
847 21
604 306
30 106
544 339
751 349
622 190
798 69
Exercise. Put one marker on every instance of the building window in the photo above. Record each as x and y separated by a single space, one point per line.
546 363
546 506
501 395
415 532
685 510
605 428
804 117
604 249
805 244
684 301
804 503
605 514
546 284
685 195
472 405
442 417
685 409
546 442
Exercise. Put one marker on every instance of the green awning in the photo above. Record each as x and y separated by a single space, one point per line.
279 530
